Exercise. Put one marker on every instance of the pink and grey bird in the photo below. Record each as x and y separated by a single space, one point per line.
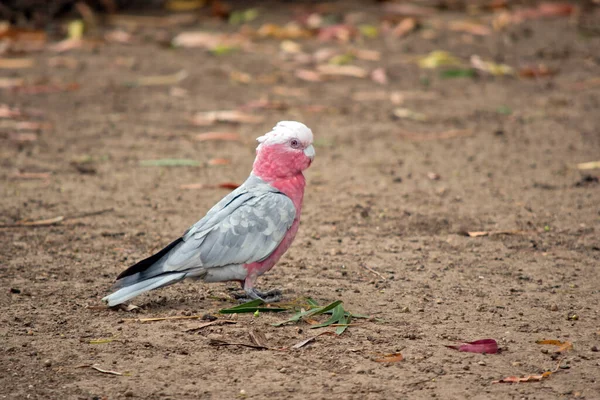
244 234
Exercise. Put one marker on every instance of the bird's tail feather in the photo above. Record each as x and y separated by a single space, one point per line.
135 289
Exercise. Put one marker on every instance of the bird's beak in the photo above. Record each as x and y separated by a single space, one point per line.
310 152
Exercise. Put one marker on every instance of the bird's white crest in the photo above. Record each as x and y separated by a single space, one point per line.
285 131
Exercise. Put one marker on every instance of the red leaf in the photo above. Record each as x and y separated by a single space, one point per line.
228 185
487 346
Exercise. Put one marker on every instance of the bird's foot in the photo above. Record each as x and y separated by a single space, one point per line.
272 296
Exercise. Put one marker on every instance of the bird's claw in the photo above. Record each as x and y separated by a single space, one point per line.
272 296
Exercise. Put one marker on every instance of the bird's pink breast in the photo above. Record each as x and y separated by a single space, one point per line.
293 188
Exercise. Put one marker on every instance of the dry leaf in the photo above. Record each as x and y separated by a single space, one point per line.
106 371
22 40
405 113
469 27
16 63
343 70
562 346
406 26
340 32
308 75
11 83
364 54
311 339
380 76
390 358
7 112
215 322
490 67
219 161
589 165
224 136
289 31
539 71
528 378
492 233
231 116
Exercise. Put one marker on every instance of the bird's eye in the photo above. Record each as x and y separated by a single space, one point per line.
294 143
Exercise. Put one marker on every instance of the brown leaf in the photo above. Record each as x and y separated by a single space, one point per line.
493 233
22 40
219 161
11 83
311 339
16 63
228 185
231 116
364 54
31 175
528 378
289 31
390 358
223 136
339 32
7 112
582 166
562 346
343 70
308 75
539 71
406 26
473 28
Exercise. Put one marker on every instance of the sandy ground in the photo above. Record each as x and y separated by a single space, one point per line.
371 205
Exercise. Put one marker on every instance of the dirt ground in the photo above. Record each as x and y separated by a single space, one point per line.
383 225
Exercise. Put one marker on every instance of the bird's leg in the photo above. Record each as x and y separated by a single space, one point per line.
250 292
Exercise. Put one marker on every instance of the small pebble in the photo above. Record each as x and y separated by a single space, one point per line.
405 310
595 349
47 363
482 363
554 307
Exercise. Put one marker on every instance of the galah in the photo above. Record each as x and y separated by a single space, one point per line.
245 233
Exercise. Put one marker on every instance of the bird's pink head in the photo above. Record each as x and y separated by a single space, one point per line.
284 152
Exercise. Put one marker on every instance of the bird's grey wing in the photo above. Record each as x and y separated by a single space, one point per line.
247 230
